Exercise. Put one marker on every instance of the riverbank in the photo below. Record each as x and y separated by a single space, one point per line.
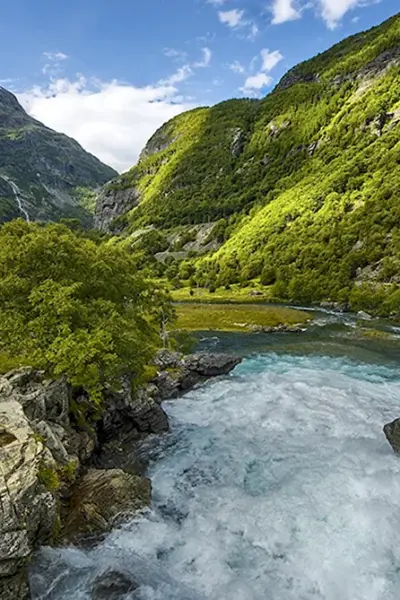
63 477
193 316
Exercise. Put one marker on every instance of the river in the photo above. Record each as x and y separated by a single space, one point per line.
276 482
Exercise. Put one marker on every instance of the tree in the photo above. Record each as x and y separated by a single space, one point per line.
75 307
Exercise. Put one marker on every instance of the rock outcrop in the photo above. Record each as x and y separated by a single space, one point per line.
27 509
112 203
103 498
392 433
113 585
179 374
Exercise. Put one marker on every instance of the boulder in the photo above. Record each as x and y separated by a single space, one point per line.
103 498
211 365
364 316
112 585
185 372
392 433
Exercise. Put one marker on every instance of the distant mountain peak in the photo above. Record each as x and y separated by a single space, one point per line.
46 173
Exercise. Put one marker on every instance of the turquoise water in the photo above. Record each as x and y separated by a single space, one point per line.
276 483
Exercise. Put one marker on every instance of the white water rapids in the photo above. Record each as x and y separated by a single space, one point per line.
277 483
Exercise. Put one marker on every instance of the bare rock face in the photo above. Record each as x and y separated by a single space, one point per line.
112 203
28 511
102 498
392 433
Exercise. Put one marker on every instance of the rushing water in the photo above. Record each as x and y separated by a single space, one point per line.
277 483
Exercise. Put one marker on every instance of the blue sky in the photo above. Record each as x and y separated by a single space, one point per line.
109 72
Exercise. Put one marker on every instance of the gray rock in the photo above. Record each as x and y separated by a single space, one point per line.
103 498
124 412
112 203
211 365
364 316
28 510
238 142
392 433
184 373
112 585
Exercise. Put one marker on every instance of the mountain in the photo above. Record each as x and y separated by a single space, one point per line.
44 175
303 186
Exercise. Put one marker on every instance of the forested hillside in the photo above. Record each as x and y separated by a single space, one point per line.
303 185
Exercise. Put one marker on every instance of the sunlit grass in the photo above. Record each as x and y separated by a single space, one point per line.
234 317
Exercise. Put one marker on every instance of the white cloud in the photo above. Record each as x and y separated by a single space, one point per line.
270 59
232 18
216 2
180 75
187 70
284 10
332 11
52 66
110 119
55 56
255 83
237 67
254 31
205 61
178 55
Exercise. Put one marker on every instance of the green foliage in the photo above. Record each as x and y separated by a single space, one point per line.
308 203
67 473
75 307
49 478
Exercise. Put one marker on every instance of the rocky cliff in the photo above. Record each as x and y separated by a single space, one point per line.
44 175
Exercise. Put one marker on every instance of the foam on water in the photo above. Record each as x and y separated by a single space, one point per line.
276 484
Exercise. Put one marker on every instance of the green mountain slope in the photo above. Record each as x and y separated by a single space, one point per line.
304 184
43 174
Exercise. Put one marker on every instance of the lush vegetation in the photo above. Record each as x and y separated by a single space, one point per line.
303 186
75 306
229 317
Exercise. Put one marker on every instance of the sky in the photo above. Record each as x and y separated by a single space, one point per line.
110 72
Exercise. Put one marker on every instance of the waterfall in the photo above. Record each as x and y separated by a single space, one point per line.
17 197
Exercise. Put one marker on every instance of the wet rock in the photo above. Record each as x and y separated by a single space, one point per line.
364 316
112 585
392 433
278 329
184 373
211 365
101 499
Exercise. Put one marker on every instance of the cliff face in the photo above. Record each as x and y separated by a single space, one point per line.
44 175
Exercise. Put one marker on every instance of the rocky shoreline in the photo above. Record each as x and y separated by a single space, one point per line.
62 477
